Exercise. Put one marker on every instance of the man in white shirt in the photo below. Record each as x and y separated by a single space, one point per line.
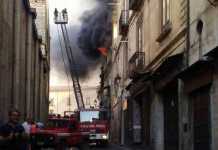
27 125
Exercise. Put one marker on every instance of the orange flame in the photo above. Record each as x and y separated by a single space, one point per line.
103 51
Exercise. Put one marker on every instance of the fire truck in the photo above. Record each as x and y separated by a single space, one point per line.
93 127
60 133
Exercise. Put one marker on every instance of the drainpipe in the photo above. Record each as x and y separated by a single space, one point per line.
122 120
187 53
16 54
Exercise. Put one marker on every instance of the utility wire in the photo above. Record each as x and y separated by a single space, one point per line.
65 64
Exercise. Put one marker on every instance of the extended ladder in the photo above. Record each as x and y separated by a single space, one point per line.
62 19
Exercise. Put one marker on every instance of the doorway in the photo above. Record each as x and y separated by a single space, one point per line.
171 125
201 118
137 121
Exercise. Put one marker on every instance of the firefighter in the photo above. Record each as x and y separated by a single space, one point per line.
56 13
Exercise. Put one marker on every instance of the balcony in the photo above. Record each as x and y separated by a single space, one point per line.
124 22
135 4
136 64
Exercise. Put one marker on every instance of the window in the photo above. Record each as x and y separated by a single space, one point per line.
165 12
88 99
89 116
139 35
166 24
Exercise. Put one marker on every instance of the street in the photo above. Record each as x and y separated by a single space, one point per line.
118 147
109 147
132 74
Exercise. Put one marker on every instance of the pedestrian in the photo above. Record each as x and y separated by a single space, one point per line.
40 125
12 134
33 128
27 125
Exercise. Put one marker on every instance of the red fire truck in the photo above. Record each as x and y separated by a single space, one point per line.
60 133
94 127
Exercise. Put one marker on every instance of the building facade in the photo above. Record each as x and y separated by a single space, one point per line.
163 74
42 25
62 99
23 67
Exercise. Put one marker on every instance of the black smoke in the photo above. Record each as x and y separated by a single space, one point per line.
96 30
83 63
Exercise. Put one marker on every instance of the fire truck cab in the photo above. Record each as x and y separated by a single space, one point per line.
93 126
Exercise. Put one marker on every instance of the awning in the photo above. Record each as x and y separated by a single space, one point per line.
169 62
167 72
213 53
138 86
200 65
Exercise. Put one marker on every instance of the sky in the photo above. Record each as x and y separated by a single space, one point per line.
76 9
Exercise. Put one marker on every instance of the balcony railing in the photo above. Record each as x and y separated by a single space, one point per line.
135 4
124 22
136 64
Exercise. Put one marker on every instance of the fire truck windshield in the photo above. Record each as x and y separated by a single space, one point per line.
89 116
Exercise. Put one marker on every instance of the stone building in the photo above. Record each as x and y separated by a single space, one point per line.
42 24
23 67
163 74
62 98
199 79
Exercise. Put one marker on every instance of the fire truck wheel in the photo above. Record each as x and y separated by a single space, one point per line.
61 145
104 143
83 146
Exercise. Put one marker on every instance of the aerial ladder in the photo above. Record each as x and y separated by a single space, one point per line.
61 19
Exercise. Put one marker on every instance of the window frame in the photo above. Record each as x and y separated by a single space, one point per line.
165 20
165 12
139 34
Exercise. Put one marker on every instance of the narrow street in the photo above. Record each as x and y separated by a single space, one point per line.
138 73
117 147
109 147
114 147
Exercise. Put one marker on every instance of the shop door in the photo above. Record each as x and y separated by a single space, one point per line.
201 119
146 121
171 121
137 122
